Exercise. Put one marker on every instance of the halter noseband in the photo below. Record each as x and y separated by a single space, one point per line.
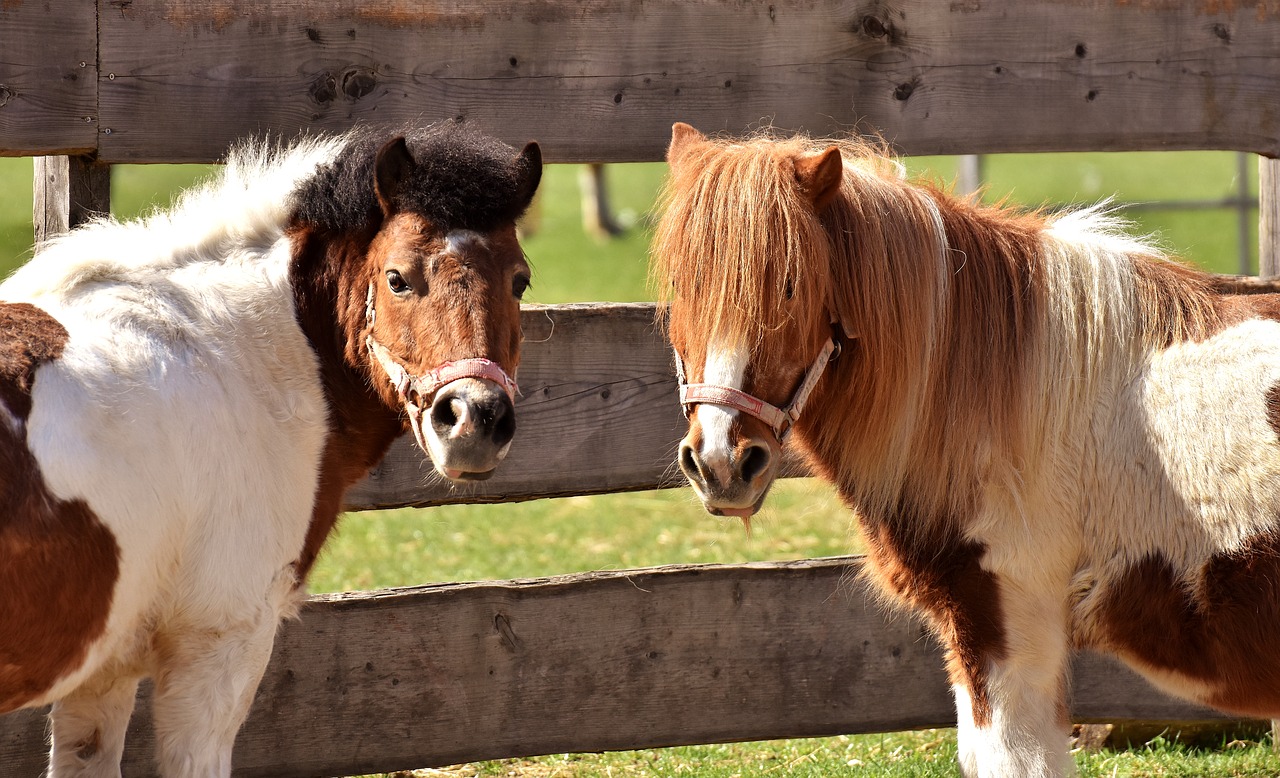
426 385
780 420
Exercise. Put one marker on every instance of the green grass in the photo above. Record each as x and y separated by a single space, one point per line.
575 534
801 519
923 754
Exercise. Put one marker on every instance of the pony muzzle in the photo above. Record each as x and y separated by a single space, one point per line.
468 428
732 483
462 413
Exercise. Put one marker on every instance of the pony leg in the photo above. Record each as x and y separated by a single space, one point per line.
207 677
89 726
204 688
1021 726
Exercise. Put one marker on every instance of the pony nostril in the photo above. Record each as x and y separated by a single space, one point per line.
689 464
446 413
754 462
504 422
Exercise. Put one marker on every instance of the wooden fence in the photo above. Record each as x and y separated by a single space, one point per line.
438 675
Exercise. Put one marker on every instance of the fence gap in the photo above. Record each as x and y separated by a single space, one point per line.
69 191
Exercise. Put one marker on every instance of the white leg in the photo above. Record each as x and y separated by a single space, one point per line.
204 688
206 680
1025 736
1017 723
89 726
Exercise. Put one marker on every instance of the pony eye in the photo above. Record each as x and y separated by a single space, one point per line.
789 290
396 282
519 285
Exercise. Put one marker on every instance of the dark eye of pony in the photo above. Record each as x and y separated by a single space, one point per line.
789 291
519 285
396 282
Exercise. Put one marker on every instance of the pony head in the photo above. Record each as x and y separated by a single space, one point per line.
741 256
443 277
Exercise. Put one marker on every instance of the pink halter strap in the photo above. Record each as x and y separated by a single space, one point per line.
426 385
780 420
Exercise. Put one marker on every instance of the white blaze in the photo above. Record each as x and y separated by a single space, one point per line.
725 367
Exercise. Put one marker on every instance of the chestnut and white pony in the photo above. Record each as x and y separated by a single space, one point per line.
185 399
1052 437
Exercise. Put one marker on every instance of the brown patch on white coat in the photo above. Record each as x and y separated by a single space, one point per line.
58 563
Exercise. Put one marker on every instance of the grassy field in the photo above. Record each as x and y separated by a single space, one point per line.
802 519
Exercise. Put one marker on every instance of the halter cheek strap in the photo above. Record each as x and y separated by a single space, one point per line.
425 386
780 420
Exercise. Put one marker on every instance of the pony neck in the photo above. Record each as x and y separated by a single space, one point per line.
329 295
983 333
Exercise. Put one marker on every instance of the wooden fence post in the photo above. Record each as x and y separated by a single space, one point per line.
1268 217
68 192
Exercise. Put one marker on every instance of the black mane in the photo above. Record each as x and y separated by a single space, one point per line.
464 180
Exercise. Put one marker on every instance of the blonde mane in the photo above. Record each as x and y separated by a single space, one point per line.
737 230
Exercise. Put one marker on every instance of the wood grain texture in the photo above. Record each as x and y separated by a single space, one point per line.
48 77
68 191
446 674
603 80
1269 218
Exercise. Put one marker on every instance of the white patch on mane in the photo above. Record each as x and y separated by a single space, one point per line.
9 419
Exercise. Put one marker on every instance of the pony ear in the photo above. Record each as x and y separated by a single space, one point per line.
393 165
820 175
529 165
683 137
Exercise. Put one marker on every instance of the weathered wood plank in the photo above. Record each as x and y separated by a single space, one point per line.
446 674
68 191
603 81
48 77
598 413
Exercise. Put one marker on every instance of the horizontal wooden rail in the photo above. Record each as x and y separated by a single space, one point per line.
439 675
175 80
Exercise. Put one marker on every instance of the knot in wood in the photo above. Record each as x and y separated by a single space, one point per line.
324 88
873 27
356 83
6 94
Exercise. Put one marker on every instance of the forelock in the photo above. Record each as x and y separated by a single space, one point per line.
463 180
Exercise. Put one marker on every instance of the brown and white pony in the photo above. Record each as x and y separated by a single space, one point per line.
1053 438
185 399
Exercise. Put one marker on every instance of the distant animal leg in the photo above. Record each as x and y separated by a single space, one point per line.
89 726
597 216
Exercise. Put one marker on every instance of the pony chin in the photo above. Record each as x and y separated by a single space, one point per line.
737 511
